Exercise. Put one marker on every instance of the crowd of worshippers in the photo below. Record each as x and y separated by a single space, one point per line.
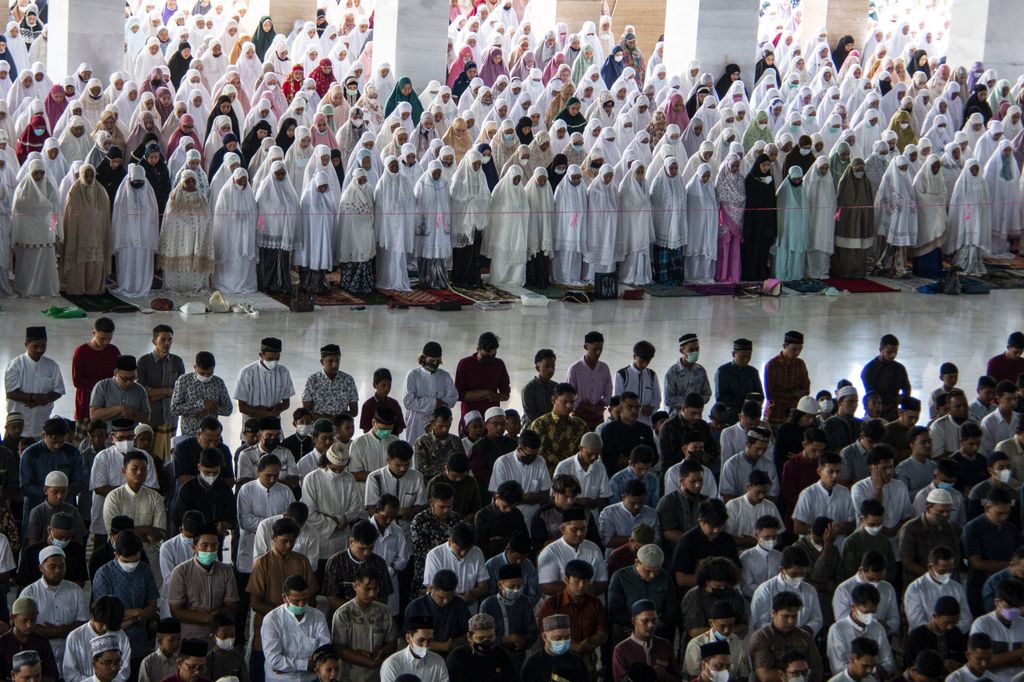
621 527
225 154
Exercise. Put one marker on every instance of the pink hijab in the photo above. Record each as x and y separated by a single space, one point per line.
680 118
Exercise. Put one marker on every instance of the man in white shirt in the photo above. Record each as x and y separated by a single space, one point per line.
308 542
391 545
292 632
1001 423
264 388
745 511
945 431
921 595
618 520
979 655
761 562
826 498
572 545
640 379
369 451
736 470
1006 629
143 504
860 621
795 567
873 569
734 438
33 382
589 470
416 658
61 603
463 558
268 443
397 478
527 467
861 664
895 498
107 473
107 612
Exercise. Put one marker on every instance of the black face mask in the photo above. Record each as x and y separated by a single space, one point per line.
483 648
269 444
137 184
527 458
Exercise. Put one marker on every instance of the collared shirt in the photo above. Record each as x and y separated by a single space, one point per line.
473 375
739 663
656 653
894 498
534 478
615 520
289 642
450 621
409 489
921 595
157 372
330 396
146 507
536 397
135 590
917 537
815 501
39 521
978 410
259 386
559 437
255 503
108 470
432 453
627 587
470 570
341 570
553 558
157 667
761 604
889 379
733 383
430 668
427 532
945 435
785 382
177 550
193 587
841 430
743 515
854 465
586 616
331 497
888 613
362 629
642 382
844 631
964 674
307 544
617 486
678 511
510 618
681 381
369 453
247 462
915 475
1013 449
108 393
77 664
215 501
189 398
269 571
768 645
618 440
393 548
759 565
708 487
28 376
422 391
593 384
60 605
737 469
996 429
531 586
1004 638
593 481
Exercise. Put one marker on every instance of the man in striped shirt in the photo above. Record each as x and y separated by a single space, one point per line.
264 387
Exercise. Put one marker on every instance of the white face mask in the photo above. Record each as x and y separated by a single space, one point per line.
207 479
793 582
1004 476
225 644
767 544
825 405
618 57
942 578
129 566
804 151
270 364
418 651
865 618
904 125
123 446
872 530
719 676
304 429
203 379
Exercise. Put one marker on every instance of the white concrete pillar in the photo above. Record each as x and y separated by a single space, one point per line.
839 17
987 31
412 36
85 31
715 33
283 13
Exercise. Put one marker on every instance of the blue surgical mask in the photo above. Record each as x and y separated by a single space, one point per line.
206 558
297 610
943 485
561 646
61 543
719 636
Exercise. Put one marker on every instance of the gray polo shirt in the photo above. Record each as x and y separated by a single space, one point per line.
193 587
107 393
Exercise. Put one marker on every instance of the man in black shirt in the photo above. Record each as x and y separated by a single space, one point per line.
208 494
60 533
546 525
555 659
498 521
300 442
480 658
620 436
188 452
887 377
105 554
736 379
707 539
939 634
688 419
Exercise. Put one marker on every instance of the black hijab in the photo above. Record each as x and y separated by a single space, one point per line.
524 137
140 151
158 176
487 166
179 64
692 104
555 178
763 66
282 140
760 194
339 169
251 144
840 54
978 105
726 81
218 157
462 82
913 68
215 112
110 178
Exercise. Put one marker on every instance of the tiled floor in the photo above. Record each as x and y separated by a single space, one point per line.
842 334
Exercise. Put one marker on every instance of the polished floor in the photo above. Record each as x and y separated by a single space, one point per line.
841 335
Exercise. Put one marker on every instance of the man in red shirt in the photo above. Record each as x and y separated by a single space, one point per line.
1009 364
92 362
481 379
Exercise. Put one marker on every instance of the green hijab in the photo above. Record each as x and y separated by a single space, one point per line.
755 133
583 62
263 39
412 98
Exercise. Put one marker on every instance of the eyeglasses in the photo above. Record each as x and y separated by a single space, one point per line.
195 667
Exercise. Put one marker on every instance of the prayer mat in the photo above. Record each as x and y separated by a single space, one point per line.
1003 279
101 303
557 292
859 286
1017 262
911 283
486 293
669 291
806 286
973 285
424 297
722 289
335 296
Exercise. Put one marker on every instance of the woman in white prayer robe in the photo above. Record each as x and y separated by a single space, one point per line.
506 239
471 210
234 237
969 228
35 230
357 241
135 233
986 145
1003 179
570 235
540 230
321 161
6 234
896 217
394 223
930 192
298 156
820 191
74 141
317 215
668 212
186 238
603 211
433 228
635 230
278 233
952 166
222 177
701 227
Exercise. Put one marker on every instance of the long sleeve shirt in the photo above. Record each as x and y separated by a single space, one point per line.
157 372
88 368
77 664
38 460
422 391
30 376
289 642
255 503
189 397
681 381
889 379
785 382
732 384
